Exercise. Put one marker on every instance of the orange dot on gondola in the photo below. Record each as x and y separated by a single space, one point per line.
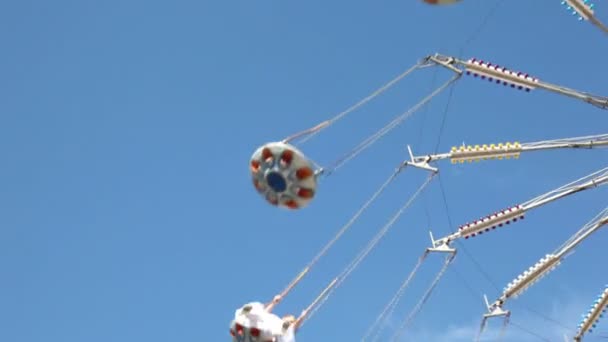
303 173
305 193
266 154
255 332
286 157
292 204
255 166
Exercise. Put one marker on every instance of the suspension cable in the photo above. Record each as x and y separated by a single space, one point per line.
311 132
383 131
425 297
341 232
390 307
370 246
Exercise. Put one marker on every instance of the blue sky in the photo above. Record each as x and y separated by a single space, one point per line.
126 127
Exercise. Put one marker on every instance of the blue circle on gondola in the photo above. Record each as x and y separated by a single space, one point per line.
276 181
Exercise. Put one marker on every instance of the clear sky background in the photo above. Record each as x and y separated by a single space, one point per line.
126 206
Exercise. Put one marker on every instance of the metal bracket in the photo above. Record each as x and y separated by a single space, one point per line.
440 246
421 164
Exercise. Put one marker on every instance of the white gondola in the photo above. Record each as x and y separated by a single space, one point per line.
283 175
